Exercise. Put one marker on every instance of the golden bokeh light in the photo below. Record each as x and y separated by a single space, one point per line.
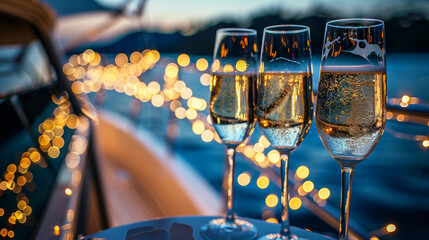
157 100
53 151
191 114
135 57
374 238
12 220
88 56
9 176
249 152
27 210
153 56
68 191
273 156
389 115
405 99
179 86
391 228
272 220
48 125
21 205
74 60
172 70
11 168
302 172
207 136
21 181
259 157
77 87
425 143
258 148
295 203
34 156
1 212
72 121
271 200
243 179
180 113
228 68
174 105
183 60
215 65
96 60
11 234
3 185
186 93
18 215
241 65
263 182
68 69
403 104
264 141
308 186
58 142
324 193
56 230
205 79
202 64
3 232
153 87
198 127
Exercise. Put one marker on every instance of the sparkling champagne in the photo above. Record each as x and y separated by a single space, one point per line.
232 106
350 114
284 108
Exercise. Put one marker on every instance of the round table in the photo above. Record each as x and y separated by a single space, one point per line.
119 233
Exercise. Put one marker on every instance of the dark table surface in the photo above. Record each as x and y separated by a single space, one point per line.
118 233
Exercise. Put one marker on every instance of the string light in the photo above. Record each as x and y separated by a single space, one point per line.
271 200
88 76
391 228
68 191
243 179
262 182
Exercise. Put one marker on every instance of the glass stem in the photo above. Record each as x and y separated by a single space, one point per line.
230 184
346 189
285 231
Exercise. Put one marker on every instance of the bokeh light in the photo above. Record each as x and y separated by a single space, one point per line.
272 220
308 186
324 193
263 182
207 136
205 79
183 60
295 203
302 172
271 200
202 64
391 228
243 179
241 65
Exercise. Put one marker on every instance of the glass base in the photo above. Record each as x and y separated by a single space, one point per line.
218 229
278 237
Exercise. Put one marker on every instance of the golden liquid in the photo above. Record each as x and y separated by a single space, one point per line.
232 106
350 112
284 108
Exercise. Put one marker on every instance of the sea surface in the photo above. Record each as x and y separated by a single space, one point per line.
390 187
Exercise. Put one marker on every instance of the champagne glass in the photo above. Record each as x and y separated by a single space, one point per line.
232 113
351 102
284 106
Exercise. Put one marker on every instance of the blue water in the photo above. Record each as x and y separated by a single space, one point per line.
390 186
